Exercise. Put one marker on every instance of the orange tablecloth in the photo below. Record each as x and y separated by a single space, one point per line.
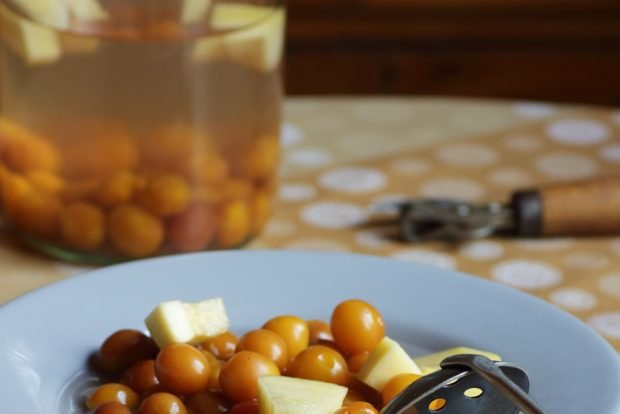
343 154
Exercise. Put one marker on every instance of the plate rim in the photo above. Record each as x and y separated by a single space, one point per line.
21 299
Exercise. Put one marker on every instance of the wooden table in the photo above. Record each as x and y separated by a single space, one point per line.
343 154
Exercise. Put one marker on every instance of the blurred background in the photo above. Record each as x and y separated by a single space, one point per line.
558 50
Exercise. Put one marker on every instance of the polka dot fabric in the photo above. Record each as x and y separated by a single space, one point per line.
342 155
325 208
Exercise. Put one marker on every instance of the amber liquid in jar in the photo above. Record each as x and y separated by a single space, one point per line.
142 130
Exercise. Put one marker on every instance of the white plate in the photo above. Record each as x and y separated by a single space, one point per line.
46 336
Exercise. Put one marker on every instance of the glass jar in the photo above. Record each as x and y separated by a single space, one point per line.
135 128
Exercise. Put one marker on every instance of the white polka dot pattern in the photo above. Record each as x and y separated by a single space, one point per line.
607 324
373 239
296 192
578 132
526 274
353 180
533 110
426 257
333 215
572 273
291 134
309 157
482 250
573 299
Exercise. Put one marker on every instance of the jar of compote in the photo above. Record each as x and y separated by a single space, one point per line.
135 128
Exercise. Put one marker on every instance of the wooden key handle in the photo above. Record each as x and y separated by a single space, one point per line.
589 207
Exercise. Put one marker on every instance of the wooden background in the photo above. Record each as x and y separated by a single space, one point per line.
560 50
